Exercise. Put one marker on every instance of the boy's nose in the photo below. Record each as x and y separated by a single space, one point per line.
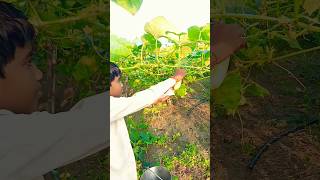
38 73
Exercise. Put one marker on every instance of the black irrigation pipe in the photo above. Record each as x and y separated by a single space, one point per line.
274 139
195 106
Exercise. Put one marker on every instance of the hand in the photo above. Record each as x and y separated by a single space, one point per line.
180 74
161 99
227 39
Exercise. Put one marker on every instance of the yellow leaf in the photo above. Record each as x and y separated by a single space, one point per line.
207 62
311 6
185 51
137 81
89 62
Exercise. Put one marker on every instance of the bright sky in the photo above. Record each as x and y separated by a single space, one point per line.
181 13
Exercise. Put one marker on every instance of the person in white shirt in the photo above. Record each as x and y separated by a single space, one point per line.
33 143
122 160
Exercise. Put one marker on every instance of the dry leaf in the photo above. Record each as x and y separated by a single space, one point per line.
311 6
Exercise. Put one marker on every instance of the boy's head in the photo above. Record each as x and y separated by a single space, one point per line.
115 84
19 77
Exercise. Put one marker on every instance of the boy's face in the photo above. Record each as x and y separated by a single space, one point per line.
116 87
20 89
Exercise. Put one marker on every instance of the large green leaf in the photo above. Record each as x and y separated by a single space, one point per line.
255 89
194 33
160 26
229 93
119 47
131 6
205 32
151 42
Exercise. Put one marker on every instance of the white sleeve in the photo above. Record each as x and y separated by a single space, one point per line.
123 106
32 145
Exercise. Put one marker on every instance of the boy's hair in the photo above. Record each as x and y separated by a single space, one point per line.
114 71
15 31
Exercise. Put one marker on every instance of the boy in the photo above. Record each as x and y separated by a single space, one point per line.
122 161
34 143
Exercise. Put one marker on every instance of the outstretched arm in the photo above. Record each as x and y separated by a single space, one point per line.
123 106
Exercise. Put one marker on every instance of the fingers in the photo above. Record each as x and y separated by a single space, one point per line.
226 39
180 74
164 98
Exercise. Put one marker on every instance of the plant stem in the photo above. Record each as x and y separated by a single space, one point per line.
69 19
163 65
247 16
37 17
285 56
296 53
241 128
289 72
157 50
268 18
141 54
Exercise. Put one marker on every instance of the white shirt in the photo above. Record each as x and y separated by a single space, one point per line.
122 161
33 144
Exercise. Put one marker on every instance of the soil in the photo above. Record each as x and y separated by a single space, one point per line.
92 167
188 116
297 156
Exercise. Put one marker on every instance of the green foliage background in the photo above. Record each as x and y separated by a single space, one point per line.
79 30
275 31
150 62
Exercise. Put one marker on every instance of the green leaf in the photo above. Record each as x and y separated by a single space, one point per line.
64 69
297 6
131 6
255 89
229 93
294 43
89 62
119 47
134 136
311 6
85 68
143 126
205 33
194 33
182 91
159 26
151 42
145 138
81 73
175 178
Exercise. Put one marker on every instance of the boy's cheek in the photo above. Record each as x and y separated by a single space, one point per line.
25 91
